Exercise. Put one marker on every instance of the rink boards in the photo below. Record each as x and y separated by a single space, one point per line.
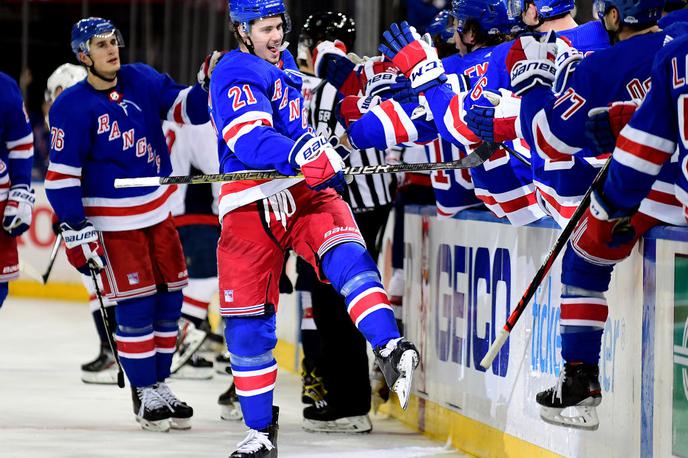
463 277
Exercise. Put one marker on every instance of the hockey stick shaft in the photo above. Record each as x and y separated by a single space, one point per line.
544 269
53 256
515 154
480 155
108 331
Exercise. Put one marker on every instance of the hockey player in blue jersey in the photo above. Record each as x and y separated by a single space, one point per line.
16 195
257 108
674 11
105 127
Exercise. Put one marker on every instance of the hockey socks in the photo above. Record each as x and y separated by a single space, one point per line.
4 290
197 297
136 341
581 324
167 313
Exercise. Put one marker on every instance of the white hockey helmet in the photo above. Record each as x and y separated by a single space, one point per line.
64 76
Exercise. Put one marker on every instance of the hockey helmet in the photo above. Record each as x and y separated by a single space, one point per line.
632 12
66 75
88 28
492 15
441 26
246 11
547 9
328 26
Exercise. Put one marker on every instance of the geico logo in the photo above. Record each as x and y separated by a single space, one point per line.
473 287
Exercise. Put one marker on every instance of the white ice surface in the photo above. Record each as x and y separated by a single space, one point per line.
46 411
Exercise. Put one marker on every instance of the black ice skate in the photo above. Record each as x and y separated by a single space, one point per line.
197 368
189 341
578 388
222 364
397 360
312 386
260 444
181 411
151 410
102 370
325 418
230 409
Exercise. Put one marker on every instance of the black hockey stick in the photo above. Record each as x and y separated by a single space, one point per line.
477 157
515 154
108 331
53 256
544 268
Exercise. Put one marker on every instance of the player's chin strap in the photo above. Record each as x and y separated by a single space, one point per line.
92 69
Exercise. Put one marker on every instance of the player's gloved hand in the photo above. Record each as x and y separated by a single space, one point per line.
333 65
377 74
207 68
401 91
530 61
19 210
84 250
496 123
602 230
320 163
415 56
604 124
351 108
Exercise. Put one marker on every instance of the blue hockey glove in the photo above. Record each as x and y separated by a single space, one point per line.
531 61
604 125
495 123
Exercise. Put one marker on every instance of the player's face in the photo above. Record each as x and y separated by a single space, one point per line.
267 36
104 52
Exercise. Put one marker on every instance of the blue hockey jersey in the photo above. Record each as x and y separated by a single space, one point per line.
16 138
97 136
657 131
258 112
673 17
555 126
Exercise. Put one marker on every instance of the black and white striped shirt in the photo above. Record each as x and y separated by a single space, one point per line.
365 192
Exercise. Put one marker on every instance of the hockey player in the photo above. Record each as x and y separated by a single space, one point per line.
257 109
556 126
674 11
16 195
194 208
107 127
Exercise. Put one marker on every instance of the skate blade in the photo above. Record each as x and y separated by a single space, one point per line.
402 387
190 373
193 341
160 426
349 425
108 377
231 413
586 419
180 423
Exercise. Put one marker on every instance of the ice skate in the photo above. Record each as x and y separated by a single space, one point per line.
230 409
578 389
197 368
378 388
151 410
181 411
222 364
397 360
189 341
324 418
102 370
312 386
259 444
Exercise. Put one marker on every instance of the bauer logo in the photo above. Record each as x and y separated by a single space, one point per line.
473 287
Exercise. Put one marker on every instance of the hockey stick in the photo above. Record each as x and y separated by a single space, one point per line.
108 331
53 256
477 157
515 154
544 269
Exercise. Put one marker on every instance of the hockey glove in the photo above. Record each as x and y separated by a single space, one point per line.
498 122
351 108
332 64
207 68
401 91
605 124
377 75
415 56
530 62
84 250
319 162
18 211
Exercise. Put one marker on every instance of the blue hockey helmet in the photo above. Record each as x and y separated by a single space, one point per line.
88 28
246 11
632 12
547 9
442 26
492 16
